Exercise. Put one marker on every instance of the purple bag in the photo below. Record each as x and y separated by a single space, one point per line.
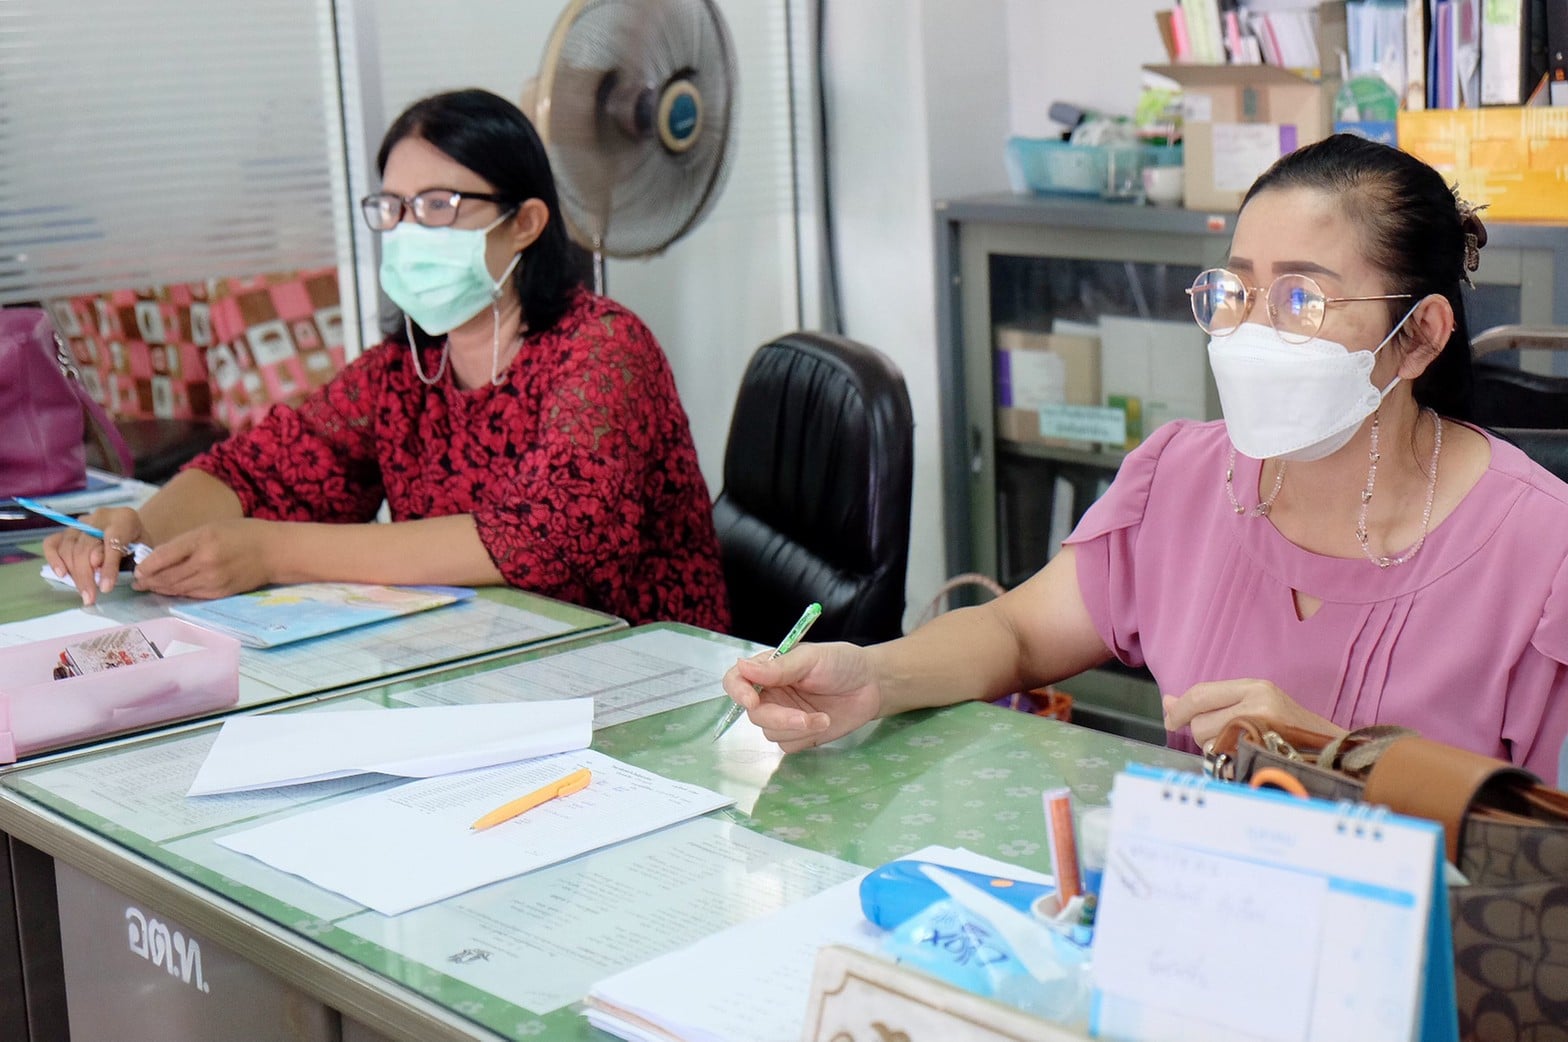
46 412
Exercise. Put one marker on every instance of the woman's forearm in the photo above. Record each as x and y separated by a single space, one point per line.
191 498
1036 634
444 550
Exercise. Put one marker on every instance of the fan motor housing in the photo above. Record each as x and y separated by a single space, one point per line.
680 115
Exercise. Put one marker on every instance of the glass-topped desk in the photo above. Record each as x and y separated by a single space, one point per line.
512 960
497 622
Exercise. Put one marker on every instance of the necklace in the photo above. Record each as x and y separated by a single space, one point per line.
1262 509
1383 561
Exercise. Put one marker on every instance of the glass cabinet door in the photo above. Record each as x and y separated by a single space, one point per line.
1026 491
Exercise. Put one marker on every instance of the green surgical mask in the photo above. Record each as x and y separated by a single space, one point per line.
438 275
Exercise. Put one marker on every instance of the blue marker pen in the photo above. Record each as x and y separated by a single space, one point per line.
134 552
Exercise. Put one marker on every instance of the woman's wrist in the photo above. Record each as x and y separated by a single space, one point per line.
272 549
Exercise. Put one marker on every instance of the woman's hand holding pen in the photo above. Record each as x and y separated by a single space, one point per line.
92 563
816 693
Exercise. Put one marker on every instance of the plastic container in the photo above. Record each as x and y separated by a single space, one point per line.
1094 840
38 712
1053 167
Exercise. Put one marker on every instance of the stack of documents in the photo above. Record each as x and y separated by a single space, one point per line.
752 981
405 847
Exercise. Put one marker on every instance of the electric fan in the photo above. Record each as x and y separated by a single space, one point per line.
635 100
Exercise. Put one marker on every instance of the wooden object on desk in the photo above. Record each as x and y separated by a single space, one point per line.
859 997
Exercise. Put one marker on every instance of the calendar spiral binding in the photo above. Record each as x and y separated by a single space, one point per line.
1360 820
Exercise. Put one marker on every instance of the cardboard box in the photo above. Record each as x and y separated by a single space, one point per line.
1037 371
1156 371
1237 120
1512 158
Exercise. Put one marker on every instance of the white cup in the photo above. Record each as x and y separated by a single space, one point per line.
1162 185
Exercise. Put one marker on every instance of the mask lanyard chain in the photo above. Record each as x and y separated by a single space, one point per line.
413 353
496 377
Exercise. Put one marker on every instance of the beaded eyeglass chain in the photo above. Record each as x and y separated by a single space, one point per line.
1262 509
1382 561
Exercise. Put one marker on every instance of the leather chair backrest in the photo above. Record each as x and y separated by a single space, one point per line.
1548 446
1505 396
815 506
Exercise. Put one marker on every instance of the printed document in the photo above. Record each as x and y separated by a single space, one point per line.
540 941
411 845
259 752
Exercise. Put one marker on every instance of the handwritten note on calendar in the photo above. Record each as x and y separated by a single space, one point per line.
1232 913
1246 982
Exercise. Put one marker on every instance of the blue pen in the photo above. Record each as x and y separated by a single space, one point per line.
810 615
136 551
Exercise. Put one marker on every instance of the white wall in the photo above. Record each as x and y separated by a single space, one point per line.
1088 54
922 95
917 109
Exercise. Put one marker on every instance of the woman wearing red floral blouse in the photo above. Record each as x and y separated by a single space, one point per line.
534 438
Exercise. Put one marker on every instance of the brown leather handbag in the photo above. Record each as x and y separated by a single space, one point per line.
1505 832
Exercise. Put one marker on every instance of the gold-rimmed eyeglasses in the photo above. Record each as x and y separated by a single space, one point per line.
1221 302
433 208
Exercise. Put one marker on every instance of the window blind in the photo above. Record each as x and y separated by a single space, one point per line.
166 141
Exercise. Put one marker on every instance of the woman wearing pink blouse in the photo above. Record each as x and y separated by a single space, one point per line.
1344 549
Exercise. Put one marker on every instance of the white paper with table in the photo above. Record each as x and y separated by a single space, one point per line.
408 846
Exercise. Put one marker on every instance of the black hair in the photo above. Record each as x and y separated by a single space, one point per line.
1411 228
490 136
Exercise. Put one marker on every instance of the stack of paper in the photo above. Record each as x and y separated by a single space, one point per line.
751 981
405 847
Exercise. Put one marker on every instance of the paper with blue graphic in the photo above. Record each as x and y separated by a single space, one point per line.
279 615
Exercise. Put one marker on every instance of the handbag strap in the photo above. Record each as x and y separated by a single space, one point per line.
1426 779
100 426
958 582
1354 752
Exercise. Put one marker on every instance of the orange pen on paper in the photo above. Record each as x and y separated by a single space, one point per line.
574 782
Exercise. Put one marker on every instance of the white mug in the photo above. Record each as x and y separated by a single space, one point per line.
1162 185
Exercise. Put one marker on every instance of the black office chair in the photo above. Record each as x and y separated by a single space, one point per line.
815 505
1506 395
1526 408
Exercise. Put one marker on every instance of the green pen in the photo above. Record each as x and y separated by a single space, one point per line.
812 613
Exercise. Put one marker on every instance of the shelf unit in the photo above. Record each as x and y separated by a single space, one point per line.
1035 261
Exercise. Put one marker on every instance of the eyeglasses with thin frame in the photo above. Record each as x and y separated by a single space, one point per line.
1296 304
433 208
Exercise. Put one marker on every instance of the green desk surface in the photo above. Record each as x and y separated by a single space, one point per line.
968 776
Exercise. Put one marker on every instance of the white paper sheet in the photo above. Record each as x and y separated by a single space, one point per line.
60 624
752 981
409 846
259 752
542 940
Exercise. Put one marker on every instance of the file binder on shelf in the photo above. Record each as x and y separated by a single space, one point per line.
1239 913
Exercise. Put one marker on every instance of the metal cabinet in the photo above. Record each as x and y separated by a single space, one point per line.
1006 260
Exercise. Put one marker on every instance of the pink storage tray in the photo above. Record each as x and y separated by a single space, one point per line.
38 712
